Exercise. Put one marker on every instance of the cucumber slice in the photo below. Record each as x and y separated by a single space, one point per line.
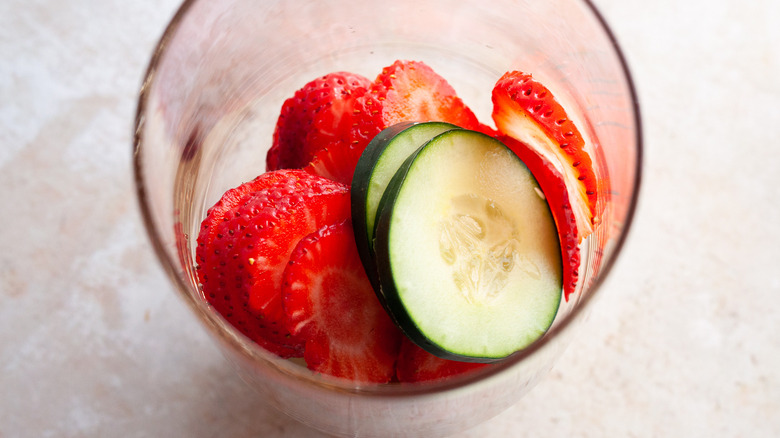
375 168
467 251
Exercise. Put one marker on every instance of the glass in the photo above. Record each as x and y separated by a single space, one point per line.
205 119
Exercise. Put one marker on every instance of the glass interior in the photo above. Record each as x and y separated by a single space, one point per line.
205 120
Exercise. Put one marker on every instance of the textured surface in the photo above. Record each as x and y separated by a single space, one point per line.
684 342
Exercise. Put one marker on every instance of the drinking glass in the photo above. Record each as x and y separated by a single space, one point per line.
206 114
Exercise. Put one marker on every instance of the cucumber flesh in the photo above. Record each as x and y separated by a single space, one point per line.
467 250
379 162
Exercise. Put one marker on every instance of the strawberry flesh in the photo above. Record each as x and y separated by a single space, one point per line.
417 365
404 91
527 111
336 162
242 251
412 91
330 303
554 189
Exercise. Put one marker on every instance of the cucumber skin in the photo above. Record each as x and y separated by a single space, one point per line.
358 192
387 293
361 180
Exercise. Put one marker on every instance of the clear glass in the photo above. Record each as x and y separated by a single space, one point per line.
205 118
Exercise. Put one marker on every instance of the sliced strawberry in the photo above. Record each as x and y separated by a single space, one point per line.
417 365
329 302
412 91
246 241
554 188
231 199
527 111
404 91
338 159
488 130
313 118
336 162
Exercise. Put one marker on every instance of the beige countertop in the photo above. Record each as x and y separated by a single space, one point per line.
684 341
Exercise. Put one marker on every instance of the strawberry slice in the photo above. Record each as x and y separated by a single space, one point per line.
527 111
338 159
417 365
412 91
231 199
313 118
336 162
329 302
403 91
554 188
245 243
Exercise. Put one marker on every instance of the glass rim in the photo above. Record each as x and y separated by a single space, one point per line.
251 351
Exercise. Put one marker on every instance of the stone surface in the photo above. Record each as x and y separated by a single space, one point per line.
684 341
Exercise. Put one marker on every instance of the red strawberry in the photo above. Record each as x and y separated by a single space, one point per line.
417 365
404 91
527 111
554 188
245 243
336 162
314 118
412 91
329 302
487 130
234 197
338 159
